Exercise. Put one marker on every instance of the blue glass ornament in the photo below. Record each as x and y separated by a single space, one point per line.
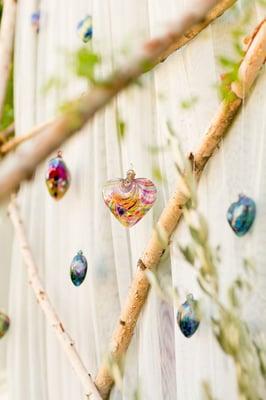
78 269
4 324
187 318
35 20
241 215
84 29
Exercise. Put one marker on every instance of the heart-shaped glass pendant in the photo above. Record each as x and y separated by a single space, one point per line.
4 324
57 177
129 199
84 29
187 318
78 269
241 215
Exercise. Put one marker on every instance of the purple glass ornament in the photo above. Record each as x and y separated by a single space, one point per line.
57 177
4 324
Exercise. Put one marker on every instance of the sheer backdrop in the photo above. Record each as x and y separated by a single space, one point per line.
166 365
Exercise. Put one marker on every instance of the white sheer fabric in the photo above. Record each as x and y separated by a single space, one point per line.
160 359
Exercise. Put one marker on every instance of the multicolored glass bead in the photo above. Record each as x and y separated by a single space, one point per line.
4 324
129 199
187 318
35 21
84 29
57 177
241 215
78 269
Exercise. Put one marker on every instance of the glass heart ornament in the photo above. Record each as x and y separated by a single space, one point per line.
129 199
241 215
57 177
187 317
4 324
78 269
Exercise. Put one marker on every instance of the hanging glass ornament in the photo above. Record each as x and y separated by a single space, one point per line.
57 177
241 215
35 21
78 269
84 29
129 199
4 324
187 318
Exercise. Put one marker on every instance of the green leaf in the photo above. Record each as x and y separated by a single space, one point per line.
188 103
188 253
85 63
120 127
156 172
8 110
227 62
146 65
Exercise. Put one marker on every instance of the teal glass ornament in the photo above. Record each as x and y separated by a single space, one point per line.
241 215
187 318
85 29
78 269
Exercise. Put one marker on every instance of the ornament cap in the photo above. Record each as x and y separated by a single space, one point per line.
190 297
131 174
130 177
80 253
59 153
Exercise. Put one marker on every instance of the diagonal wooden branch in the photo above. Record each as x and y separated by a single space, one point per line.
7 30
22 165
168 222
214 13
255 57
13 143
43 300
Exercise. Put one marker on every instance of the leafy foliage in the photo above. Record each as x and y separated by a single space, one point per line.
230 330
8 111
231 65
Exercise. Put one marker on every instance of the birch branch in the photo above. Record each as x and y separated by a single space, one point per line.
215 12
22 165
13 143
43 300
7 31
168 222
255 57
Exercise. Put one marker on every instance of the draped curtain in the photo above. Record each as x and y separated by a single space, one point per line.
162 362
